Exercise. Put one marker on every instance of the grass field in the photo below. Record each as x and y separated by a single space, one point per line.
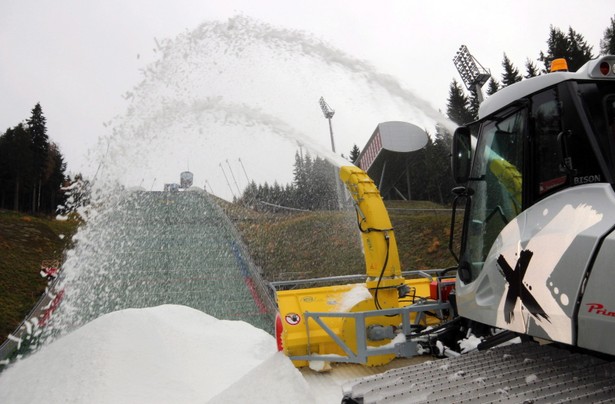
316 244
25 241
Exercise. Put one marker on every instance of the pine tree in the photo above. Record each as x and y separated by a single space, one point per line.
607 43
77 192
276 194
579 52
557 46
15 166
571 46
440 180
530 69
54 179
323 185
300 173
473 104
418 169
458 105
249 194
40 150
30 166
511 73
493 86
354 154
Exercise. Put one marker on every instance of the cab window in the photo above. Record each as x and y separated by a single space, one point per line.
496 180
599 104
562 153
547 140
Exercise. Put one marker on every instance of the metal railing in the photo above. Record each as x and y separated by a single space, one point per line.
363 351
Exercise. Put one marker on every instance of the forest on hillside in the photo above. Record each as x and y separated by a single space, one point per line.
31 167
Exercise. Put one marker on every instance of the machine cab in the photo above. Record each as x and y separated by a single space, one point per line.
537 173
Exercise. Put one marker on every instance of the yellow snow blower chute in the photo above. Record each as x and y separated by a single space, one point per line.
369 322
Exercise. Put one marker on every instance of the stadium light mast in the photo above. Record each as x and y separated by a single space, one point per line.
473 74
328 113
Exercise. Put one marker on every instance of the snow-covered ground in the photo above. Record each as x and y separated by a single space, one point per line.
164 354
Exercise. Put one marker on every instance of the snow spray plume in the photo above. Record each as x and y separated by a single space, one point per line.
226 90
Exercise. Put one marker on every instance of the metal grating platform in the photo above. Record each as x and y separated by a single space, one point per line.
521 373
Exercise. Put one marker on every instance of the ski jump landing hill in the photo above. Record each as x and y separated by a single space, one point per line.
155 248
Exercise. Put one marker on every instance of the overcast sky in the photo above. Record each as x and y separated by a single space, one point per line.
78 58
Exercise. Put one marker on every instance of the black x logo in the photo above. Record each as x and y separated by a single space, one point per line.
516 288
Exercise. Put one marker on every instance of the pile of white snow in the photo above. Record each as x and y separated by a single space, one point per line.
165 354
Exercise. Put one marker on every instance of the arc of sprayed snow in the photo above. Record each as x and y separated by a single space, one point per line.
145 129
252 31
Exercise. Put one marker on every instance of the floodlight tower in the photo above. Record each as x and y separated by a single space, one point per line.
473 74
328 112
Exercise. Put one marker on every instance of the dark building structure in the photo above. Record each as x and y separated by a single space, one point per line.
386 155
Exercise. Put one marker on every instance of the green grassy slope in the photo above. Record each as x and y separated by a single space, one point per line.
315 244
25 241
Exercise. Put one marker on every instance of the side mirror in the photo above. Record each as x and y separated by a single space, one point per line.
461 154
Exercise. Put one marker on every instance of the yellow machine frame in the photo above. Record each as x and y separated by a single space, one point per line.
365 322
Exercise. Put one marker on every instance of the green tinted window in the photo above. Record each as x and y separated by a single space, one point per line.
496 180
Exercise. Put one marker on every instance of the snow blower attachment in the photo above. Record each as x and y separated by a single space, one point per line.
371 322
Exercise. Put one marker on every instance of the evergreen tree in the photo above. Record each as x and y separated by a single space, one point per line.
511 73
557 47
429 171
354 154
30 166
530 69
314 187
439 179
304 186
76 194
579 52
51 194
571 46
276 194
15 166
323 185
264 193
300 179
249 194
458 105
473 105
418 168
40 150
493 86
607 43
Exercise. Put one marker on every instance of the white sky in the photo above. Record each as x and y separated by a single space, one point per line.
78 58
